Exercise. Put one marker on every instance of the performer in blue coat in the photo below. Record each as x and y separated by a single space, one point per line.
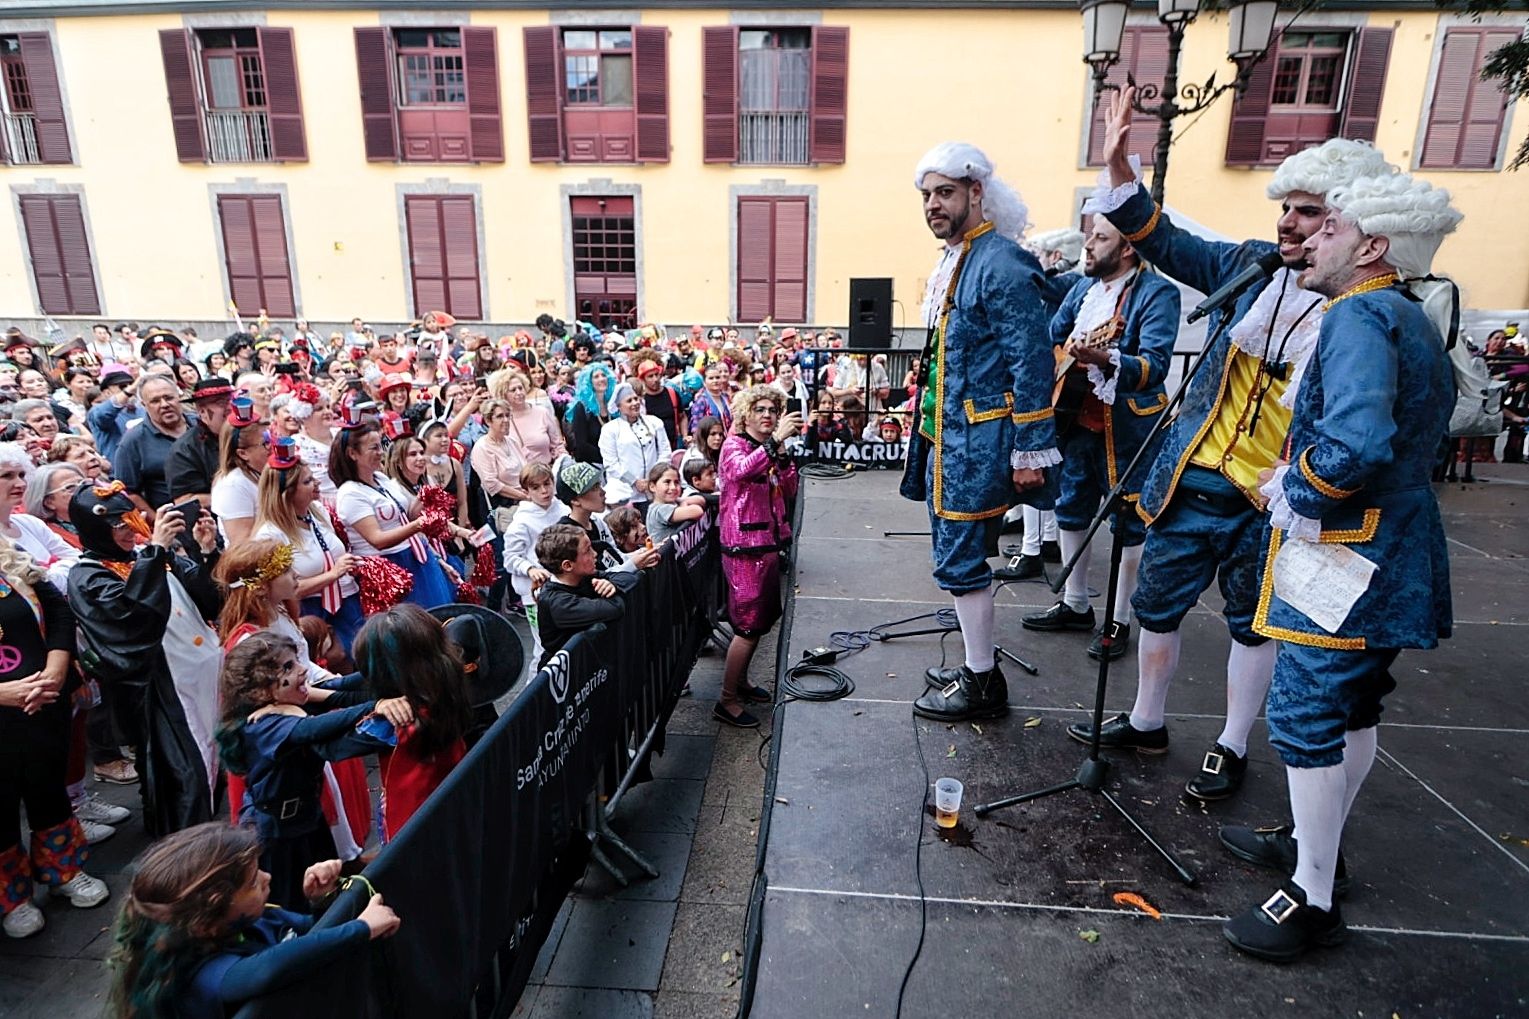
1200 496
1119 325
982 427
1356 566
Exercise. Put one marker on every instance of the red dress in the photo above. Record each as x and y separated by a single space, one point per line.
408 779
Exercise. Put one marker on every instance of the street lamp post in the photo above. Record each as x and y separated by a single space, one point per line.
1252 32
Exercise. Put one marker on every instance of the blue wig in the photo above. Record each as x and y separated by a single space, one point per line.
584 389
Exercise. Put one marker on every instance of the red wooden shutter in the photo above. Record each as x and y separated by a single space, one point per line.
544 107
830 94
255 251
772 259
284 103
1245 137
374 68
480 48
719 94
1466 116
47 99
1144 56
185 104
1366 83
650 92
60 252
443 254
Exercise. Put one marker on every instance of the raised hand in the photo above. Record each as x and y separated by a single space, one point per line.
1117 134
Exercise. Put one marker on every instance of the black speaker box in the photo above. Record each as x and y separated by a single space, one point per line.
870 313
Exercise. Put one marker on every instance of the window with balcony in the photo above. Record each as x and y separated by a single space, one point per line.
430 95
32 128
775 96
1312 86
598 95
234 95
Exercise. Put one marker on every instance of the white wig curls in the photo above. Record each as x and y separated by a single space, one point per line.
1321 168
960 161
1067 242
1413 215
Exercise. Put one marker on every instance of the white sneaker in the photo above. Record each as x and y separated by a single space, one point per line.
93 808
23 921
84 891
95 831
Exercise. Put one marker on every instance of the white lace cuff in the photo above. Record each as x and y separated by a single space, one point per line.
1104 387
1106 199
1034 459
1282 516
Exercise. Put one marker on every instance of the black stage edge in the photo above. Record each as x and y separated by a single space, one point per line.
1022 920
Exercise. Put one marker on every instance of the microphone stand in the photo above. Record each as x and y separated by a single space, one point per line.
1094 770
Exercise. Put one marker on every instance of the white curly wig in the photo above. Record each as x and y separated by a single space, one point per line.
1412 214
1067 242
1000 202
1321 168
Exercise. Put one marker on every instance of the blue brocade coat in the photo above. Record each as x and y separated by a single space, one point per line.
1204 265
1151 315
1371 411
993 386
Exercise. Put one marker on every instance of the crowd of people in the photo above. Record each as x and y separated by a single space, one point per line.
217 561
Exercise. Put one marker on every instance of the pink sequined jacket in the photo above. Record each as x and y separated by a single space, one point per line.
755 487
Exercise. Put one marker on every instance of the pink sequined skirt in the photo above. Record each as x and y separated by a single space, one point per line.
753 592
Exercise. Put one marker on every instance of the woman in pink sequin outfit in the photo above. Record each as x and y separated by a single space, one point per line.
757 477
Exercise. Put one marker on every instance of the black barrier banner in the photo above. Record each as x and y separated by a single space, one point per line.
478 874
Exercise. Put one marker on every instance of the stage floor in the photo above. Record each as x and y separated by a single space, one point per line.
1021 920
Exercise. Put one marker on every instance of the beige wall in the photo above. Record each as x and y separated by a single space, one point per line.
1018 90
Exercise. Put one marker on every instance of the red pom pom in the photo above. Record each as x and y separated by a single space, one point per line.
483 567
468 595
337 524
437 507
383 583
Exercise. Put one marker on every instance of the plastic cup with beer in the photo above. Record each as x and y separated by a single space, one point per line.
947 802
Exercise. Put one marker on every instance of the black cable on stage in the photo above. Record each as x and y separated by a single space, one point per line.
840 685
918 864
824 471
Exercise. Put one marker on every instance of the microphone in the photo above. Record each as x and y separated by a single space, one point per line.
1260 269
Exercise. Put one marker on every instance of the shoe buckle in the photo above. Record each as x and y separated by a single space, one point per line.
289 808
1014 563
1280 907
1213 762
951 690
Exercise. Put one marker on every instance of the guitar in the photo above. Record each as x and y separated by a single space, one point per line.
1072 390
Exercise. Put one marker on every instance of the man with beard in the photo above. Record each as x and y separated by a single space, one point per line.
1119 325
1200 496
1356 568
982 428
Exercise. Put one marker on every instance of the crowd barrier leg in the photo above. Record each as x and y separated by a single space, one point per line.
600 834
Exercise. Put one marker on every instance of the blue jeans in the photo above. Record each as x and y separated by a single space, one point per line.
1209 531
1318 694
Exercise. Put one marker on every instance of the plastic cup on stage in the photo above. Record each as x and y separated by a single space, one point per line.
947 802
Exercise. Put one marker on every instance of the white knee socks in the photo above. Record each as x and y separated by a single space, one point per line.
1157 659
1032 542
975 613
1316 803
1125 584
1075 593
1359 748
1248 671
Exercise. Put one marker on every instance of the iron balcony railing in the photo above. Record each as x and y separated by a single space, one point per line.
238 136
20 137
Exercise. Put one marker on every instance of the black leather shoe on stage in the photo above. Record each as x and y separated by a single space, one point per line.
1059 617
1275 848
973 695
1020 567
1120 639
1220 775
1119 734
1284 927
941 678
1051 551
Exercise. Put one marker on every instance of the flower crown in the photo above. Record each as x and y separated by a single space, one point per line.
276 562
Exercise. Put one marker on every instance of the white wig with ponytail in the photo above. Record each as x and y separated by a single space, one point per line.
1320 169
961 161
1413 215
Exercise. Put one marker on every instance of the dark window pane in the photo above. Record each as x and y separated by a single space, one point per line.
1287 81
413 38
448 38
1329 40
616 39
1322 81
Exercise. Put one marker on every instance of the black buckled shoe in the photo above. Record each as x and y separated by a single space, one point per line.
941 678
1275 848
1284 927
1119 734
1051 551
1220 775
1120 639
1020 567
1059 617
973 695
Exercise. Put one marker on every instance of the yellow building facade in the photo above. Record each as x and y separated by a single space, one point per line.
1006 77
